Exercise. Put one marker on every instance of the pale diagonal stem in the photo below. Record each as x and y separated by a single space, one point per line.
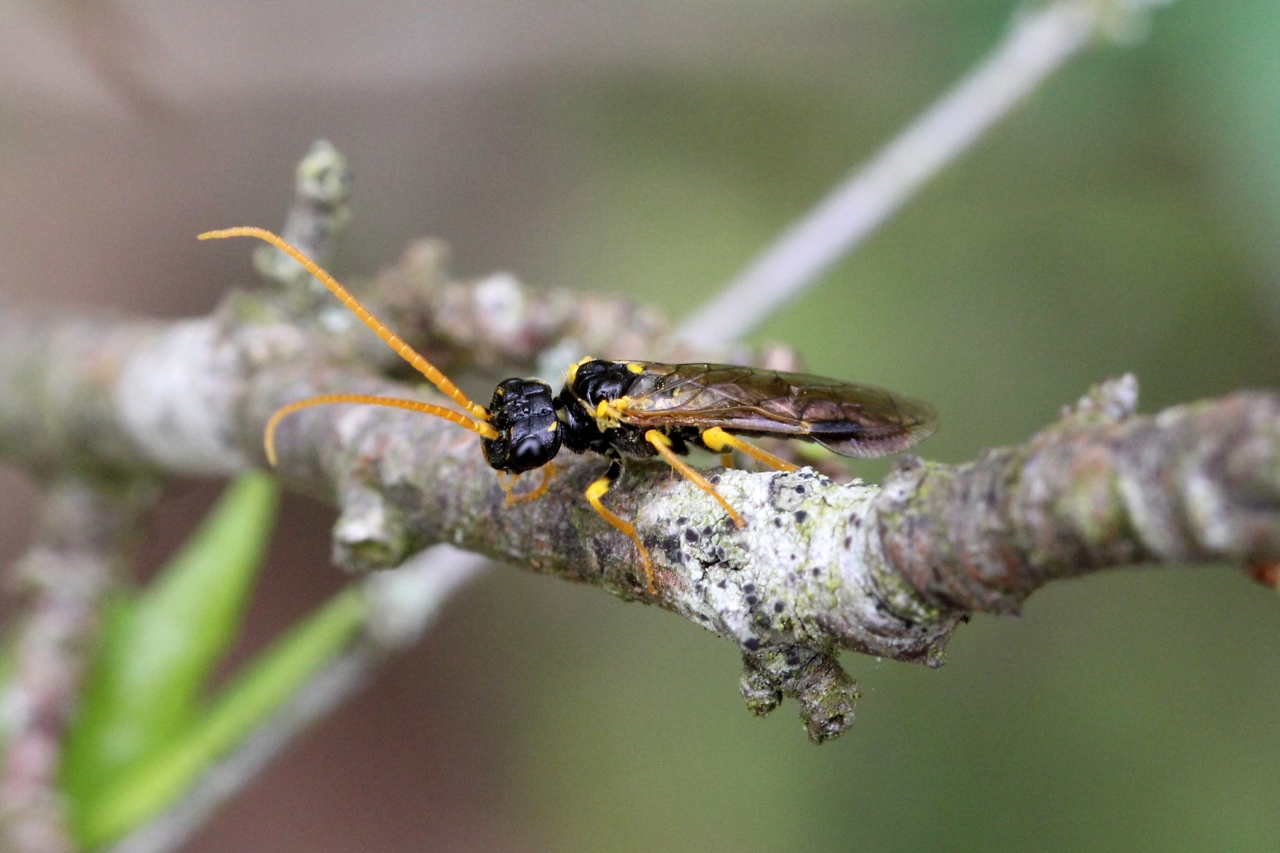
1036 46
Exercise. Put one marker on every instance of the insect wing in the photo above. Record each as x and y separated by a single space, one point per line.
848 419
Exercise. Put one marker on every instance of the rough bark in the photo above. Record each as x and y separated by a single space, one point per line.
821 566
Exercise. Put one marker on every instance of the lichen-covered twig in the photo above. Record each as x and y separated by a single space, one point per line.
84 525
317 217
820 566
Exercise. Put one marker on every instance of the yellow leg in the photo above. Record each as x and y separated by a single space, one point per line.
717 440
507 485
663 445
548 471
599 489
726 460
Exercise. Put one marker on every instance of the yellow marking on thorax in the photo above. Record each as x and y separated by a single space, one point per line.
573 369
609 413
635 368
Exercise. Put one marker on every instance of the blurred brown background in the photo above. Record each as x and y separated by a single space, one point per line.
1124 219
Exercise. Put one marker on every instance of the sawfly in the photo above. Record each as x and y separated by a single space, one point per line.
638 410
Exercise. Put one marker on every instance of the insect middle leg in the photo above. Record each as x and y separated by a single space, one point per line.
599 489
662 444
717 441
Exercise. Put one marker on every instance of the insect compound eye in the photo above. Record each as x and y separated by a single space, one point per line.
528 453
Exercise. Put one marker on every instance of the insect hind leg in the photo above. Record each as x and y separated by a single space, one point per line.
717 441
599 489
662 444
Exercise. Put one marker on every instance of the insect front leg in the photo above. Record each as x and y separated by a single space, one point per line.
599 489
548 471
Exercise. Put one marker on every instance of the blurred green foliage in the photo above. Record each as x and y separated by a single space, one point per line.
160 646
1122 220
148 726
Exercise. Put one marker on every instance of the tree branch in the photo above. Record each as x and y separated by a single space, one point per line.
820 566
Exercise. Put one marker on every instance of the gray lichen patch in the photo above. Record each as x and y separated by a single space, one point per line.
809 551
370 533
175 395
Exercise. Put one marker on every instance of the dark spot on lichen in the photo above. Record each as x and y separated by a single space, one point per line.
777 522
684 519
706 531
670 545
691 535
801 515
752 601
857 521
778 607
715 479
721 584
817 572
749 587
848 541
793 659
751 644
793 556
800 490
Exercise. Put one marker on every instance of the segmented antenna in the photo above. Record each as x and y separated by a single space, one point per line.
269 436
426 368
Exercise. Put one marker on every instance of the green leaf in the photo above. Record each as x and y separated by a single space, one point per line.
148 787
157 650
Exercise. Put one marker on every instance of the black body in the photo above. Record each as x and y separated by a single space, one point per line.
683 400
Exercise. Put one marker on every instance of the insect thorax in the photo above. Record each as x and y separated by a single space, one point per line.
592 407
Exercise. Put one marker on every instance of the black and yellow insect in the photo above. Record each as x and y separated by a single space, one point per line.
637 410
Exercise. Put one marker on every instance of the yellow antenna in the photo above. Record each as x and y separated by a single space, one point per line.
269 436
426 368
